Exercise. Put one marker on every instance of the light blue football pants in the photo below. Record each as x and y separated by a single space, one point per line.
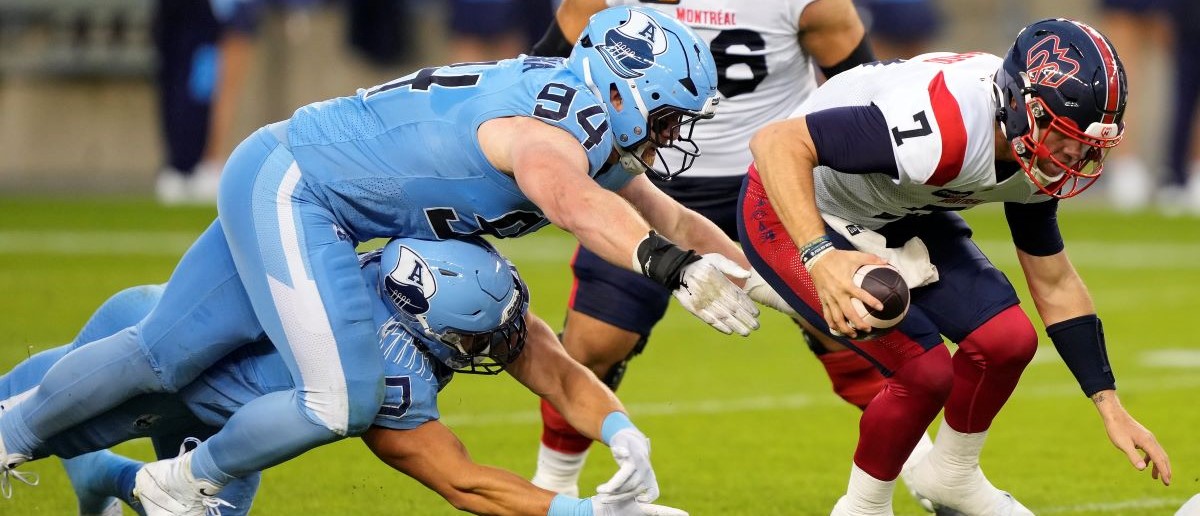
273 263
98 475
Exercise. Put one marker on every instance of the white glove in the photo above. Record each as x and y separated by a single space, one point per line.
605 505
635 475
758 290
707 293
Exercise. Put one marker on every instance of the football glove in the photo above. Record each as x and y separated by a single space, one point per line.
707 293
605 505
635 475
758 290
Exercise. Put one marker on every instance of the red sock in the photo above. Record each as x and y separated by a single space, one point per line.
854 378
987 367
558 435
895 420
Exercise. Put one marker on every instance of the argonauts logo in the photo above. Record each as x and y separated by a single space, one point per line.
411 284
631 48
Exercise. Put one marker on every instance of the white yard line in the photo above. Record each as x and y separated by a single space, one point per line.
558 247
803 401
1117 507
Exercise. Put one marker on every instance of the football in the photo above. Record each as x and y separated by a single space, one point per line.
887 285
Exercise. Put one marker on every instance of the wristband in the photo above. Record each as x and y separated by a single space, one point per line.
614 422
563 505
553 43
814 250
660 260
1080 342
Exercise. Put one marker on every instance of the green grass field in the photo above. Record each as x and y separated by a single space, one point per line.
739 426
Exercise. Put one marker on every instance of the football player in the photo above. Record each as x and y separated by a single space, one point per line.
766 54
440 308
887 153
484 148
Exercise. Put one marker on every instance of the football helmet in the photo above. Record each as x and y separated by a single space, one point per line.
1062 94
464 303
665 76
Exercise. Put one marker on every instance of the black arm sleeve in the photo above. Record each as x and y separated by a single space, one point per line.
860 55
853 139
1034 227
553 43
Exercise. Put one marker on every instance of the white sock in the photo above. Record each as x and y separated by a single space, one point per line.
867 495
956 453
558 471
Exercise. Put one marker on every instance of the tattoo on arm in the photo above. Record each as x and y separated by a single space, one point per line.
1098 398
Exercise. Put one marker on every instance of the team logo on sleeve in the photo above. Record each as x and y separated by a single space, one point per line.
411 284
631 47
1048 63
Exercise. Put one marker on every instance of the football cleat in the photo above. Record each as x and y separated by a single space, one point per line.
970 495
9 473
167 488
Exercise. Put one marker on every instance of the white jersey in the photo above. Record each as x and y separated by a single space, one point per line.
941 109
762 73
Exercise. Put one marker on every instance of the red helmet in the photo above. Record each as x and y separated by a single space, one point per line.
1062 95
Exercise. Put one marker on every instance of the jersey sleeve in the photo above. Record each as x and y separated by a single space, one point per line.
852 139
570 106
408 402
1034 227
927 132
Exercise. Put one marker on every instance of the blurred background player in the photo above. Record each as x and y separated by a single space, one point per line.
766 54
486 30
512 146
1181 191
901 29
476 323
1139 29
876 162
185 37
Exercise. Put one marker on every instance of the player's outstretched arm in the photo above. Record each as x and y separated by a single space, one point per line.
569 21
551 169
589 406
1066 308
784 155
434 456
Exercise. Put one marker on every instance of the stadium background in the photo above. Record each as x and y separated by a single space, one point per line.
739 426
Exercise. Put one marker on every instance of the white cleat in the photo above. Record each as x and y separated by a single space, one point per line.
971 495
167 488
9 473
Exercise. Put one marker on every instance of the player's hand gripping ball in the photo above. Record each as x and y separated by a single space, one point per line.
887 285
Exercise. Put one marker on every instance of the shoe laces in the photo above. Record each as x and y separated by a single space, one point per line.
212 505
9 474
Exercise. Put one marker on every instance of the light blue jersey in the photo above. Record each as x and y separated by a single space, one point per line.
403 158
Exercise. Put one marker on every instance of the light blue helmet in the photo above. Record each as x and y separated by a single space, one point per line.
664 73
463 301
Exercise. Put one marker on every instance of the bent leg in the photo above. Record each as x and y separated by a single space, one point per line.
304 283
202 315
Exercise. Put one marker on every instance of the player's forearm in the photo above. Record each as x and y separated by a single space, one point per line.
573 15
697 233
784 158
584 402
1057 290
604 223
493 491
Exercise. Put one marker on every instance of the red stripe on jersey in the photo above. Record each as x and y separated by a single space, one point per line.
952 129
1113 98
